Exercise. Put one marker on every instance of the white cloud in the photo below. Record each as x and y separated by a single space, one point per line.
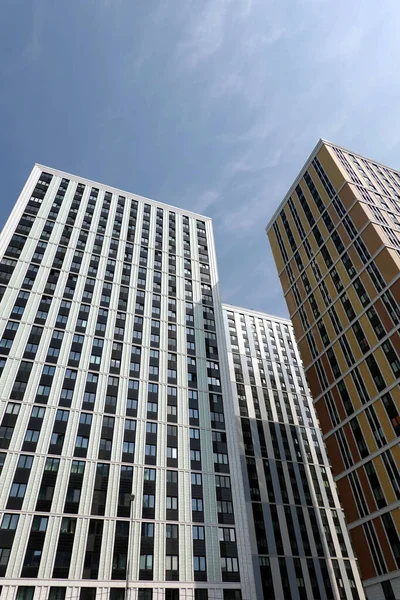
205 33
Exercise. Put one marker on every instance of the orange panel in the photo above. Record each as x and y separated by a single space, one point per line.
313 381
359 216
395 289
323 416
386 265
335 457
285 283
339 403
351 443
362 551
305 352
327 369
291 303
297 326
347 196
373 238
395 339
382 312
366 489
347 500
383 542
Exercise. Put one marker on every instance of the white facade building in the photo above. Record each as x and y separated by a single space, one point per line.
113 382
299 543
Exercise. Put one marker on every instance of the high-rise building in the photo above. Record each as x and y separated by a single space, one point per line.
299 543
336 242
119 466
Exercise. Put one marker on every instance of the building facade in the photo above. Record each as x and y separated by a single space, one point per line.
119 467
336 243
299 543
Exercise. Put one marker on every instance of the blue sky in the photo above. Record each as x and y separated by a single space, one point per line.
210 105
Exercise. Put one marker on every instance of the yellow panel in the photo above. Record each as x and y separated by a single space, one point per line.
355 302
329 327
355 348
291 303
396 518
368 330
340 358
331 288
293 226
388 263
367 433
285 283
367 379
384 421
332 166
313 244
369 286
344 278
310 199
341 313
285 238
355 398
275 250
383 364
330 246
384 480
314 176
322 266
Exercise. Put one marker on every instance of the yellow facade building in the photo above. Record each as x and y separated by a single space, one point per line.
336 243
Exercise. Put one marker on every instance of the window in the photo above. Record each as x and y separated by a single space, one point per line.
148 500
151 427
146 561
171 563
9 521
172 452
197 504
199 563
4 556
40 523
52 464
226 534
198 532
150 450
229 565
32 435
150 474
196 478
172 476
81 441
171 531
25 462
172 503
147 529
18 490
195 455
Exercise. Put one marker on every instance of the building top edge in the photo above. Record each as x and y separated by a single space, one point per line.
319 144
115 190
251 311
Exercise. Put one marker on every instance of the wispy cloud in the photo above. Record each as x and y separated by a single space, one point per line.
205 33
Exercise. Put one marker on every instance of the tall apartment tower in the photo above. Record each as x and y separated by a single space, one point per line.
119 468
299 543
336 243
